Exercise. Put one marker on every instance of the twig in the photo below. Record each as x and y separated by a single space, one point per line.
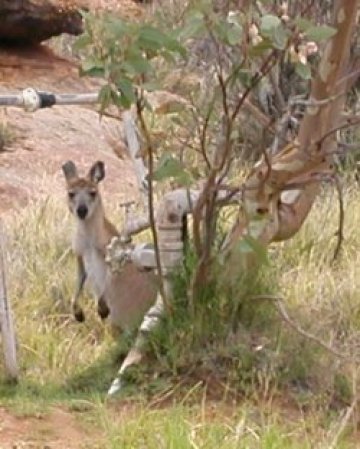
64 255
202 133
150 154
267 65
343 423
278 94
282 126
340 231
350 122
279 304
266 122
297 101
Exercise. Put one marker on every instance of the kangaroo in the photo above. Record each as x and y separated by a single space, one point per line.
125 296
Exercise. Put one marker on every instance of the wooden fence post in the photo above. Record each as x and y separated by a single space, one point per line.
6 320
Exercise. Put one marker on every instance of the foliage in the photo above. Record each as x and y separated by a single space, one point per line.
226 64
244 49
71 364
7 136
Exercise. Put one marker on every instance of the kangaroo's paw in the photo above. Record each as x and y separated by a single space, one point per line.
79 314
103 309
115 387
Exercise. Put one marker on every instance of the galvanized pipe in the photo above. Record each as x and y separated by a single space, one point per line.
32 100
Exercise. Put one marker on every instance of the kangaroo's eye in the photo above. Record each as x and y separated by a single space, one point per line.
92 193
71 195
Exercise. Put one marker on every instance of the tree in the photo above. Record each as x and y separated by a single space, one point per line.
242 49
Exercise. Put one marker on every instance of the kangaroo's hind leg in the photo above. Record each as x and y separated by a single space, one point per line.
81 278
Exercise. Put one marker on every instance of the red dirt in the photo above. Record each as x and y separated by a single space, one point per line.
57 430
47 138
42 141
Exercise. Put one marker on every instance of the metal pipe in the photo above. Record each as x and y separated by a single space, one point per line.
12 100
89 98
32 100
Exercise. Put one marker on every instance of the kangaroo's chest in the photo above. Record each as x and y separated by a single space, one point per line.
96 269
94 263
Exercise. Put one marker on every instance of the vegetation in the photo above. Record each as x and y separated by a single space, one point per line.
232 55
7 136
246 383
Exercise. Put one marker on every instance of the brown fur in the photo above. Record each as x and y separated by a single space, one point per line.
127 295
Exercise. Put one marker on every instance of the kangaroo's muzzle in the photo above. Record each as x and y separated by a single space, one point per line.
82 211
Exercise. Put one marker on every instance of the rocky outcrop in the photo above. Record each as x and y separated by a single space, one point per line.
32 21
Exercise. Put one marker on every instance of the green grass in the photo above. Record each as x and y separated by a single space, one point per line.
212 425
256 383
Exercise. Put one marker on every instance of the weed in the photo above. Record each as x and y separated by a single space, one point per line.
235 348
7 136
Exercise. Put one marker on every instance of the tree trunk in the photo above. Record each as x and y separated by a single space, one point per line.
280 191
32 21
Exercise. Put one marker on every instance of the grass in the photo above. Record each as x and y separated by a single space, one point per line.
261 385
7 136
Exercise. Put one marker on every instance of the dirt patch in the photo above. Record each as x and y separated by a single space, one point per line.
58 429
44 140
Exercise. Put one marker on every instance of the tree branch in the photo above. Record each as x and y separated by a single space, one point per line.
279 305
340 231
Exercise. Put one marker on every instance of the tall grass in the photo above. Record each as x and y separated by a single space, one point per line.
253 355
53 349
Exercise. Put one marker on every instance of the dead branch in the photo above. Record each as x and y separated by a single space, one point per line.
343 423
150 154
340 231
350 121
279 305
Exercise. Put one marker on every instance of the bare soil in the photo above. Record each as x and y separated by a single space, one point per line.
58 429
42 141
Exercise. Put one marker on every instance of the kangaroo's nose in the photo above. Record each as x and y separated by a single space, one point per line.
82 211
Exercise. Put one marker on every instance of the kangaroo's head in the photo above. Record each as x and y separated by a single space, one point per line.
83 193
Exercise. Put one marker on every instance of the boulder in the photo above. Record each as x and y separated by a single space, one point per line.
32 21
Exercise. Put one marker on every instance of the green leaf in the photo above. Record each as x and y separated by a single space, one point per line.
250 245
174 45
105 97
279 37
303 70
220 30
272 28
93 67
320 33
151 38
260 48
245 77
127 97
82 41
234 34
169 167
268 24
194 26
117 27
303 24
137 63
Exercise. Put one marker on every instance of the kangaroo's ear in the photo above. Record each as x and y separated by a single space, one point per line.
70 171
97 172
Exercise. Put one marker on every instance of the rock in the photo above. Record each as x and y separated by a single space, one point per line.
32 21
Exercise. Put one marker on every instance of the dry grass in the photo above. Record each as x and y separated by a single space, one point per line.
62 360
